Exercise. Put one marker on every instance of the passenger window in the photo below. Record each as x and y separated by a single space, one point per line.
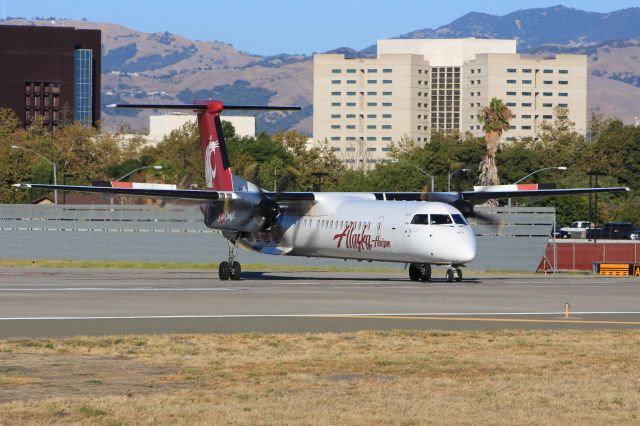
441 219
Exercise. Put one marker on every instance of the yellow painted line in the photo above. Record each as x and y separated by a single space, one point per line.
518 320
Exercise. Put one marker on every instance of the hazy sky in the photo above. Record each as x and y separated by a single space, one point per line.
275 26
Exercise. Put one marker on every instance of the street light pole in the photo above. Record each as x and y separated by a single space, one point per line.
137 170
53 165
421 171
563 168
451 173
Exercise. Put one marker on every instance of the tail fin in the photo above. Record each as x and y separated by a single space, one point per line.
217 169
214 151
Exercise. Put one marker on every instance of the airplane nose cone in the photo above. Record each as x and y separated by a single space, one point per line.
466 249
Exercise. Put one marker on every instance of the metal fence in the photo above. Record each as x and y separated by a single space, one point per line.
177 233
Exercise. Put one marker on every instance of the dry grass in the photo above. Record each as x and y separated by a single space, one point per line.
532 377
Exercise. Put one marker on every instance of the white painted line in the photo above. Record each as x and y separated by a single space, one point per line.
113 289
334 315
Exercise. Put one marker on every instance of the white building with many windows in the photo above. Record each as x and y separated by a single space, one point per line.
415 86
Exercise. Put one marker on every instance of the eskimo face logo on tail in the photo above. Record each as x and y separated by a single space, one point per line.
210 162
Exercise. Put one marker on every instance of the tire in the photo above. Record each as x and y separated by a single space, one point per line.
426 276
458 274
414 272
224 272
235 271
449 275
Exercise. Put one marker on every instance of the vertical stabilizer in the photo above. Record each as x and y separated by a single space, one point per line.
214 151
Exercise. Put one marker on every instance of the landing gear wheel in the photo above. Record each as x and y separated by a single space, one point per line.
414 272
449 275
235 271
458 274
425 272
224 272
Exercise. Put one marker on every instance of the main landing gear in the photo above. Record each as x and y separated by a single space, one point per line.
230 269
454 273
420 272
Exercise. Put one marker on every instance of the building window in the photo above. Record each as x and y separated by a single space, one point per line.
563 94
335 138
372 81
371 126
511 70
547 105
564 71
336 93
526 93
371 138
335 104
351 93
372 104
386 149
335 115
547 71
510 139
526 70
547 94
372 93
563 82
335 126
351 82
350 116
526 81
511 82
526 127
387 81
547 82
387 104
351 126
386 126
547 117
335 81
371 149
336 71
387 93
511 104
563 105
372 70
511 127
351 104
83 85
526 104
386 115
351 71
351 139
386 139
526 116
387 70
372 116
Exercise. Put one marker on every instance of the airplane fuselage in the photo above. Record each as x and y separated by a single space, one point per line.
357 226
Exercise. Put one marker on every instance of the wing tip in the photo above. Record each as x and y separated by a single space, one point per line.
21 185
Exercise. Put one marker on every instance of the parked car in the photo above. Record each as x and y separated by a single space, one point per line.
615 231
577 229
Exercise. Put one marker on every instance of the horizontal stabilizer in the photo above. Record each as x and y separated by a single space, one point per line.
203 106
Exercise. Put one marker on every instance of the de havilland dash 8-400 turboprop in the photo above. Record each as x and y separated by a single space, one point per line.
414 228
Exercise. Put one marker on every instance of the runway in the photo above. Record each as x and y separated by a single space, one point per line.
67 302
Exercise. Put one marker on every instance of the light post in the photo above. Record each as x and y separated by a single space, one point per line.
137 170
55 169
451 173
563 168
421 171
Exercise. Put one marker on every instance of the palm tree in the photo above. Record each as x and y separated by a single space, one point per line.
495 119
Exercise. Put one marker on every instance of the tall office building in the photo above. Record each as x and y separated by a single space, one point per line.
416 86
50 72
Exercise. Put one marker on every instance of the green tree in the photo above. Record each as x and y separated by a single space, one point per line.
495 120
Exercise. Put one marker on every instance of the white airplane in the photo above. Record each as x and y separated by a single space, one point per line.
414 228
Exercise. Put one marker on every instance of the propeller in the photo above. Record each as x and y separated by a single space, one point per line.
466 208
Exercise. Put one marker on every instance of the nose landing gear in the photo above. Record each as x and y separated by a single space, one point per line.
454 273
420 272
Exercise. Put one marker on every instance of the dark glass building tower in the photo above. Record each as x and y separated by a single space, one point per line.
50 72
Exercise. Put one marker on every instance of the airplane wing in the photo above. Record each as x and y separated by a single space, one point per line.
488 193
192 194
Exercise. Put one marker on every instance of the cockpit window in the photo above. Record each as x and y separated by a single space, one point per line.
459 219
441 219
420 219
